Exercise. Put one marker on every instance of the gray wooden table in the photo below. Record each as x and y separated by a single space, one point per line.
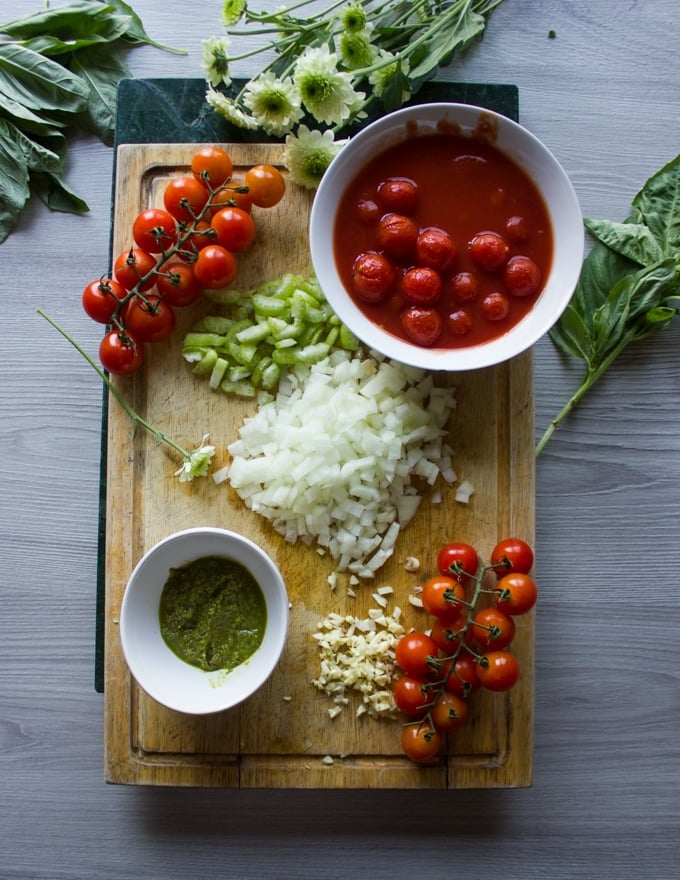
604 95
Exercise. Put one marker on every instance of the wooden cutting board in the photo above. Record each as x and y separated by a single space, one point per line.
270 741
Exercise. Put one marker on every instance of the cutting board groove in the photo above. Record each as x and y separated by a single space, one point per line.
269 741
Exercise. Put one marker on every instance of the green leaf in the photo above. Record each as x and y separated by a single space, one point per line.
444 41
102 70
658 206
70 21
632 240
136 32
39 83
107 31
37 156
14 178
57 195
26 118
571 335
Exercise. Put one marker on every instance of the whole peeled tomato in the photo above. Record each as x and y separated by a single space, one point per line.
373 277
422 325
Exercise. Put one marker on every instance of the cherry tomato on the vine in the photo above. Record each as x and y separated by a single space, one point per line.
149 319
512 554
154 230
133 265
235 229
185 198
442 596
493 628
412 695
119 353
229 196
449 712
201 235
266 185
498 670
516 593
462 676
177 284
415 653
101 299
212 165
215 267
448 634
458 560
420 742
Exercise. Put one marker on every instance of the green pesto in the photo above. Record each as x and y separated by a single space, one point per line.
212 613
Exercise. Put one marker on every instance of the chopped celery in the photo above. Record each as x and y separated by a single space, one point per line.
262 333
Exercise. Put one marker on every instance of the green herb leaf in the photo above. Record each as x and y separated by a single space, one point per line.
38 82
136 33
629 285
56 194
102 70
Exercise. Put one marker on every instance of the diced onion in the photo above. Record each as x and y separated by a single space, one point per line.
332 457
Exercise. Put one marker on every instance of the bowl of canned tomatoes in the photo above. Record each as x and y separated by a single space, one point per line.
447 237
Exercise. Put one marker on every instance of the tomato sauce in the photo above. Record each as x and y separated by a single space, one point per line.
464 188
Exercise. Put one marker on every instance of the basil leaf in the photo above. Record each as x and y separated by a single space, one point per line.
136 33
102 70
74 19
38 82
14 180
571 335
26 118
632 240
658 206
107 31
56 194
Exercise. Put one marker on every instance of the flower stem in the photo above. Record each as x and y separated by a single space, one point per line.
136 418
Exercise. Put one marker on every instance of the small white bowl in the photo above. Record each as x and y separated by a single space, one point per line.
161 673
519 145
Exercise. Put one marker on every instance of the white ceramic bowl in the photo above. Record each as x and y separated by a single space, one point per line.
520 146
159 671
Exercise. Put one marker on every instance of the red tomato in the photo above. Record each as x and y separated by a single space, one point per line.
420 742
522 276
266 185
498 670
397 236
212 166
442 597
373 277
177 284
512 554
449 712
232 196
133 265
416 654
423 325
154 230
489 250
201 235
412 695
421 285
185 198
235 229
464 287
398 194
516 593
462 676
215 267
448 634
149 319
493 628
435 248
101 299
458 560
516 229
120 354
460 322
367 211
495 306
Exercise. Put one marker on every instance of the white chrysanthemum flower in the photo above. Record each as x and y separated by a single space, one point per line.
354 19
215 60
391 66
356 50
229 109
327 93
274 103
308 154
232 11
196 463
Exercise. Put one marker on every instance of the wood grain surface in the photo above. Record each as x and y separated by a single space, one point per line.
604 803
268 741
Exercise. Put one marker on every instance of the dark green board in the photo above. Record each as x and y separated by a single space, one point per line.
174 111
